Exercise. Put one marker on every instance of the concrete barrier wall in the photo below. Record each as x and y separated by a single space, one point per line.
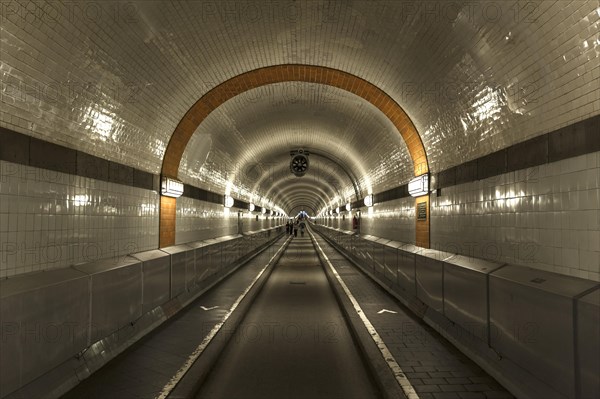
515 320
60 323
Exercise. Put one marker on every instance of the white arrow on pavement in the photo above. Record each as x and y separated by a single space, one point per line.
205 308
386 311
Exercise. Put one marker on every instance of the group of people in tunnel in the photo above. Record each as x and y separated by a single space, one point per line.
293 225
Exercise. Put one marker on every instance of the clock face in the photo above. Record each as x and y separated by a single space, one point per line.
299 165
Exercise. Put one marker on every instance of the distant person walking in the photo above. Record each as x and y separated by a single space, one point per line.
296 229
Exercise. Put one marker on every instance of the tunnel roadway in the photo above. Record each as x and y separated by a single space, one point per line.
294 341
291 342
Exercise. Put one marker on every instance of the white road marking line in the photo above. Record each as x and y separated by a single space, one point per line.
406 386
386 311
200 348
205 308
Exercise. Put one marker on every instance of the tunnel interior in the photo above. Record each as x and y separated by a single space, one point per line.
138 138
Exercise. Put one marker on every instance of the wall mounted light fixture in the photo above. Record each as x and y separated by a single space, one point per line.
419 185
171 187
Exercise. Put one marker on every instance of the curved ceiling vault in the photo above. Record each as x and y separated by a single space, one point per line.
308 123
315 196
472 82
117 88
319 189
244 145
322 173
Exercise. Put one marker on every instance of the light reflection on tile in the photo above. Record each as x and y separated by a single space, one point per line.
557 231
200 220
470 83
53 220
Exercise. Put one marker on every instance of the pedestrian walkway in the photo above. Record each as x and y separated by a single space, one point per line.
433 366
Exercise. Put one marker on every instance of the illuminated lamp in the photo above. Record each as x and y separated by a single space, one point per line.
171 187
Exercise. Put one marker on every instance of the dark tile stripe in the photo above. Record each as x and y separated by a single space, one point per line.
574 140
577 139
491 165
46 155
145 180
121 174
392 194
466 172
200 194
570 141
240 204
92 167
25 150
528 153
14 147
446 178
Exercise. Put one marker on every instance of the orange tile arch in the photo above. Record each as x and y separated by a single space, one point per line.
278 74
288 73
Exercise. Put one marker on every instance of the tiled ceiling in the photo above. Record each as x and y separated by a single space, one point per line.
114 79
246 143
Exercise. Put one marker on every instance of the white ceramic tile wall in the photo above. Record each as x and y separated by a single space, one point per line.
394 220
52 220
249 222
199 220
343 221
114 78
547 217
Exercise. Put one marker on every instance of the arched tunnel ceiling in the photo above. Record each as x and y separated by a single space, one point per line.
474 77
247 142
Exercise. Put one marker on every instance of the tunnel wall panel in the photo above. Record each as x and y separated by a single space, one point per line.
50 318
183 274
390 264
115 294
45 319
466 287
156 270
407 269
588 344
430 277
532 322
